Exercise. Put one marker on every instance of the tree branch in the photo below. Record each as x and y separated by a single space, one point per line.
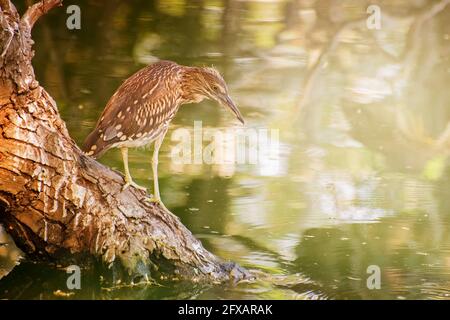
38 10
8 8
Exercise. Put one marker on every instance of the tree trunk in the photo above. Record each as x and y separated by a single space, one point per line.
57 203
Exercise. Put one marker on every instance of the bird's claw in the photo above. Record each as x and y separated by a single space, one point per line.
154 200
157 201
134 184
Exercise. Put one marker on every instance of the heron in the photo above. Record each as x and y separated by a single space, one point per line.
140 111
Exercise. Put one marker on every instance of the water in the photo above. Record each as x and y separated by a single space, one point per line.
360 176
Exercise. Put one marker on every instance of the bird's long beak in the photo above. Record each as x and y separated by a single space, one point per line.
228 103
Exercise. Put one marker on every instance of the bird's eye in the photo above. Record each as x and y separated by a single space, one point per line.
215 88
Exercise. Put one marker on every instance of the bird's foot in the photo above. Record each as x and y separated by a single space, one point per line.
157 201
134 184
154 199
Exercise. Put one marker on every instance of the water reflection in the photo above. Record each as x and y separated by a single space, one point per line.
361 175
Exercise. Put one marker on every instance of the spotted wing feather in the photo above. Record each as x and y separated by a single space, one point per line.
139 110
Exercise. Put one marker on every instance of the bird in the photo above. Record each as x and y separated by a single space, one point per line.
141 109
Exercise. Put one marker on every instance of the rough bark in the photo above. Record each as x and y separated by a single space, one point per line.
56 202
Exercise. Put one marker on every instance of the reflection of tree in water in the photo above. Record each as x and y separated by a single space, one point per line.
392 98
31 281
341 265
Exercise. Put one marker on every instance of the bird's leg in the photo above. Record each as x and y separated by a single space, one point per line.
128 179
156 196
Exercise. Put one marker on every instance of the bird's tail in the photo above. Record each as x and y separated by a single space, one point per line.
94 146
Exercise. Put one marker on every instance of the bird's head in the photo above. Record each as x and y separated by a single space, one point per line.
208 83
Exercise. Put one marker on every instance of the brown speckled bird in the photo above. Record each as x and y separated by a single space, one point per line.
141 109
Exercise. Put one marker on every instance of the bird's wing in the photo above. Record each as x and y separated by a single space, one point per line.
140 107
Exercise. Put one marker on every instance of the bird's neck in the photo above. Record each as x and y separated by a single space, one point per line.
191 85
